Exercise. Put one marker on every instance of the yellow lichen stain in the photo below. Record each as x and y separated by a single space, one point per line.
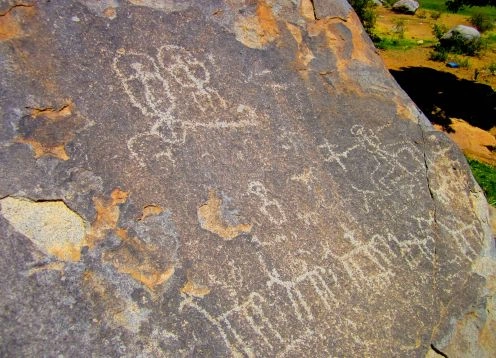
338 45
53 114
46 138
210 217
40 149
52 226
258 30
307 10
403 110
151 279
10 27
136 259
195 290
107 216
304 55
110 12
151 210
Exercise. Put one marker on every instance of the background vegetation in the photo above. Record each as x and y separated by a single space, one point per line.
486 177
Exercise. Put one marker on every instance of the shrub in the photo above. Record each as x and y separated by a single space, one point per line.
399 28
421 14
365 9
462 62
457 44
492 68
435 15
486 177
439 31
438 55
482 21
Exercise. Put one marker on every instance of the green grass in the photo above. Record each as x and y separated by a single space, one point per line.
486 177
391 43
491 38
438 5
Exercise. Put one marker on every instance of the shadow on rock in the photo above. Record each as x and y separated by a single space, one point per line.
442 96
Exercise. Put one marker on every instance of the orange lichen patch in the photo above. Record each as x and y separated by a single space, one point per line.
107 216
52 227
306 10
40 149
48 130
140 261
10 27
403 110
110 13
195 290
304 55
151 210
210 217
360 50
473 141
53 114
150 279
258 30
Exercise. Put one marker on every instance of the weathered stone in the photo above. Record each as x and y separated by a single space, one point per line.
466 33
223 178
406 6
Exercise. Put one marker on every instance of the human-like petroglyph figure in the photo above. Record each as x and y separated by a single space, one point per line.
389 166
270 207
173 91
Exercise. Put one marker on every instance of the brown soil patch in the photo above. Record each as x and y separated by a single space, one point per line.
473 141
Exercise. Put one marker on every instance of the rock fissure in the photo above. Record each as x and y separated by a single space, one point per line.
322 203
438 351
16 6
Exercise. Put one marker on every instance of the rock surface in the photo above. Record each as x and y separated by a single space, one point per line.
226 178
406 6
467 33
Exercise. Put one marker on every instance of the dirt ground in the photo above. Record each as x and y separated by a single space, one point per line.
474 141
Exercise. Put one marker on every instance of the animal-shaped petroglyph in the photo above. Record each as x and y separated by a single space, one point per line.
269 206
390 168
307 294
173 91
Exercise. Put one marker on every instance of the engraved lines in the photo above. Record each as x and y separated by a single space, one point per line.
270 207
163 88
391 169
256 310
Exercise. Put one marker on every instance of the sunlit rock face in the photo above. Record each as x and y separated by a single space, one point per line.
224 178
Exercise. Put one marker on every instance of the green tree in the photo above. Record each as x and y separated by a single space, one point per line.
366 12
455 5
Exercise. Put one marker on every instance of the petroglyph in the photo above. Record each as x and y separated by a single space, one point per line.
264 334
392 168
158 85
270 207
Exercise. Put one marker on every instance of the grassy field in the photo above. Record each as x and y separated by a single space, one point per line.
486 177
439 5
406 43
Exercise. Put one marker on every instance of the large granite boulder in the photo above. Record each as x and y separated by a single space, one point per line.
463 32
225 178
406 6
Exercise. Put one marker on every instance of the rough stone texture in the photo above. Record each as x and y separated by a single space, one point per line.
467 33
238 178
406 6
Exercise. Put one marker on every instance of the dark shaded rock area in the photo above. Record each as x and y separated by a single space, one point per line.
224 178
